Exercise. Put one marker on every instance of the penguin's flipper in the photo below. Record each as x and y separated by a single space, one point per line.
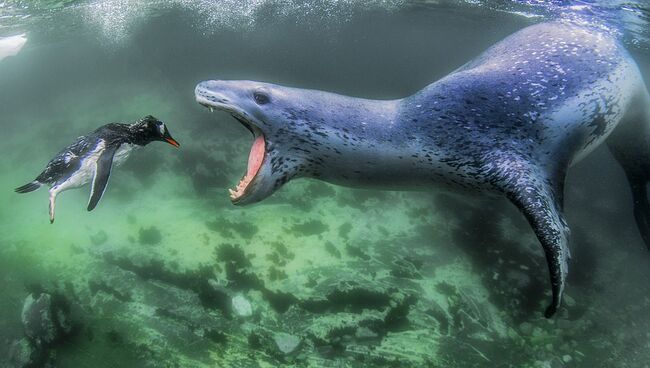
102 173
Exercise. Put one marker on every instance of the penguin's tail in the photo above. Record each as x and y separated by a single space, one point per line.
29 187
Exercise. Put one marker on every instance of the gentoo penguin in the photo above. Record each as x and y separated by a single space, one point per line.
93 155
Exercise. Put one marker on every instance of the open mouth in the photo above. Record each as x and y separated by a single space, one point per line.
255 157
255 161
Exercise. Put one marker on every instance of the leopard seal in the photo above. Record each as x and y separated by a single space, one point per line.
511 122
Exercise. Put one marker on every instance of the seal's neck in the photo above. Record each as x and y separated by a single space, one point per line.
357 140
372 119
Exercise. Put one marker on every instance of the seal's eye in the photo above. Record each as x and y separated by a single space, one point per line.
261 98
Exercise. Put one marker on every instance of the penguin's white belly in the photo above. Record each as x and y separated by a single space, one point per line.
86 172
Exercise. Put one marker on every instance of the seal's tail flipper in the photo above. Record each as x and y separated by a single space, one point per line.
29 187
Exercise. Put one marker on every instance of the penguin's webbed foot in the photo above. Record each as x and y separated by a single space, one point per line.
52 206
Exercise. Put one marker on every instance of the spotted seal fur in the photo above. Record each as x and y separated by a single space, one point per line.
512 122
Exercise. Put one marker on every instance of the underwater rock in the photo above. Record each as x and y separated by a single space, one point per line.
186 313
279 344
337 315
150 236
39 320
47 321
286 343
197 281
241 306
23 354
46 318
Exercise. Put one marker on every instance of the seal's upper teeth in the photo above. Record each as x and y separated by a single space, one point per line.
211 109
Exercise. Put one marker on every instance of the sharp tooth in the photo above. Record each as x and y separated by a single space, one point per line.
232 192
211 109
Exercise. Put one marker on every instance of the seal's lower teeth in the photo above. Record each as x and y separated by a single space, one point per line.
255 160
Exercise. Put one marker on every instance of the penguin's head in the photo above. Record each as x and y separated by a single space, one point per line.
150 129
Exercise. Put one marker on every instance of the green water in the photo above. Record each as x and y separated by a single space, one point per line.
357 278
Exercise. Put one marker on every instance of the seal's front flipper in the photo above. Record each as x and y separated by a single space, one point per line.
102 173
639 185
537 195
630 145
544 216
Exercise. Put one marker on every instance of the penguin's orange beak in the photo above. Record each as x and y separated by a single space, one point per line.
173 142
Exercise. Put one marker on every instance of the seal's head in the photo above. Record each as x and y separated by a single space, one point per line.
270 113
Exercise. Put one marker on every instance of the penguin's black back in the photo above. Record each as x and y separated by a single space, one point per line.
69 159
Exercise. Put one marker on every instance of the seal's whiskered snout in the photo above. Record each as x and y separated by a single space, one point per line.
208 97
237 99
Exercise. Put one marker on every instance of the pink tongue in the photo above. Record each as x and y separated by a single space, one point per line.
256 157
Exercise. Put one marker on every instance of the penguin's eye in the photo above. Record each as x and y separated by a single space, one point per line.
161 128
261 98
